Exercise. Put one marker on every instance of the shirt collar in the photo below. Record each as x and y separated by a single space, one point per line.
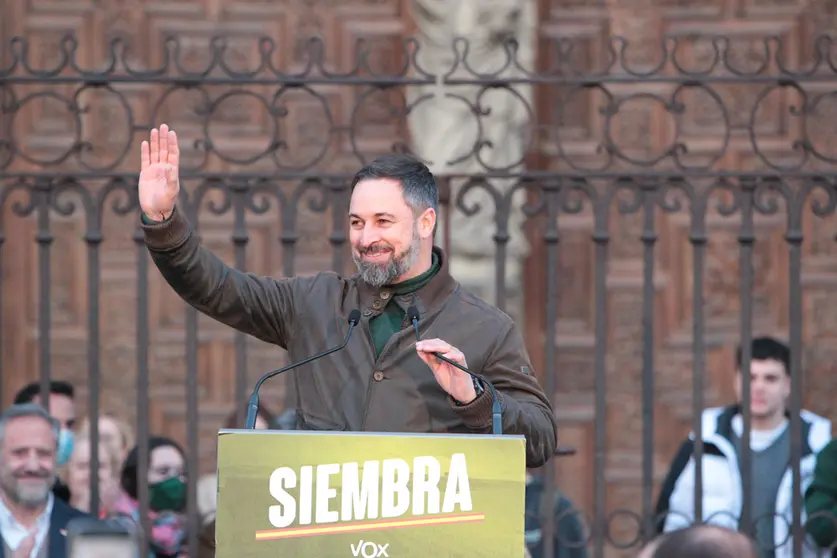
6 517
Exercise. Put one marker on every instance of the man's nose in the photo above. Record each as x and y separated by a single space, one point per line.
369 236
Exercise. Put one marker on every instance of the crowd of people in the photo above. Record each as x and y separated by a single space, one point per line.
45 477
46 480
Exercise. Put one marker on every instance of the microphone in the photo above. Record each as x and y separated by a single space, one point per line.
496 409
253 405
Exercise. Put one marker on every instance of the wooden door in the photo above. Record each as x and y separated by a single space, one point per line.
644 129
307 129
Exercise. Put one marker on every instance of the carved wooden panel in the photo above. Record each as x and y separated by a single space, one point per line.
644 129
311 127
330 127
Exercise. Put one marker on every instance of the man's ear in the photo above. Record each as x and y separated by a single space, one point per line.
427 223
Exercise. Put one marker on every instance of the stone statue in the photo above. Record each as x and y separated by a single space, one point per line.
445 129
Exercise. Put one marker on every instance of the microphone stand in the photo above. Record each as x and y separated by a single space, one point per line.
253 405
496 408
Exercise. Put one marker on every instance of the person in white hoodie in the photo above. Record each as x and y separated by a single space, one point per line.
771 509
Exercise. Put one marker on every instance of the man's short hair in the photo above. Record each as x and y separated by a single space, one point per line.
705 541
56 387
766 348
20 410
418 183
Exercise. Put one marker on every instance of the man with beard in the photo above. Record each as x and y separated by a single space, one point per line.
61 405
380 382
32 521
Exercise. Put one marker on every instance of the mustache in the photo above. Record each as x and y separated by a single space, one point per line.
29 473
375 248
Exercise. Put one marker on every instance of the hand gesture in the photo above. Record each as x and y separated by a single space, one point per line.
158 182
109 491
26 546
455 382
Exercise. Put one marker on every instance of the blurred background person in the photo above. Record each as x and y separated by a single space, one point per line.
62 407
114 431
166 496
79 476
32 519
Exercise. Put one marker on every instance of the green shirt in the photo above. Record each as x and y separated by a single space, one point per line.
389 321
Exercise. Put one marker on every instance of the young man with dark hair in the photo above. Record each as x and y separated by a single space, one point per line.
384 380
771 509
62 404
62 407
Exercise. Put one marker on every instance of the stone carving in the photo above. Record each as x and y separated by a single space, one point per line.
445 129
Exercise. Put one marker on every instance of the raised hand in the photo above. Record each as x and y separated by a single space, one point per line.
159 183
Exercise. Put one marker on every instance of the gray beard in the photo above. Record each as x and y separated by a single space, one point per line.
378 275
27 498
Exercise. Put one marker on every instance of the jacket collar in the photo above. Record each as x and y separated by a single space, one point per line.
724 426
427 299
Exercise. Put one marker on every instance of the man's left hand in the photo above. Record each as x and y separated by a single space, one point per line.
455 382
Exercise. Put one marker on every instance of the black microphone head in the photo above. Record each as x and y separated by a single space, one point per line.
412 313
354 317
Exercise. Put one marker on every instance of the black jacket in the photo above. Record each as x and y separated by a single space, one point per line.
569 534
61 491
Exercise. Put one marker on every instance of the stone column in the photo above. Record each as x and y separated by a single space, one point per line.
445 129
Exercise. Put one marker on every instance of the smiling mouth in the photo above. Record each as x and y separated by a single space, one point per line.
31 480
376 255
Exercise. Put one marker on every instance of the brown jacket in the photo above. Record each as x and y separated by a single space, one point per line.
350 389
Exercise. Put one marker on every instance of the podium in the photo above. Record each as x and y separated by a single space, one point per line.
369 495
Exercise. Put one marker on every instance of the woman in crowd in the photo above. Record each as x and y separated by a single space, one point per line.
166 496
114 432
78 476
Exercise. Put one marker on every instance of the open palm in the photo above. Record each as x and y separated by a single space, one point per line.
158 181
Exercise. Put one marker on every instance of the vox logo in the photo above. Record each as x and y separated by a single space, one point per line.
369 549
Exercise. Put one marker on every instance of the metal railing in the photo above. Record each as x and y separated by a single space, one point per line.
755 158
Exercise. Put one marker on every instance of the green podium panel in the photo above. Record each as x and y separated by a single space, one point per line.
339 494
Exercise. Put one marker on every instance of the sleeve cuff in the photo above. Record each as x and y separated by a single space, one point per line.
476 414
146 220
165 235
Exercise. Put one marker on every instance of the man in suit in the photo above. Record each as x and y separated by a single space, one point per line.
33 521
62 406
